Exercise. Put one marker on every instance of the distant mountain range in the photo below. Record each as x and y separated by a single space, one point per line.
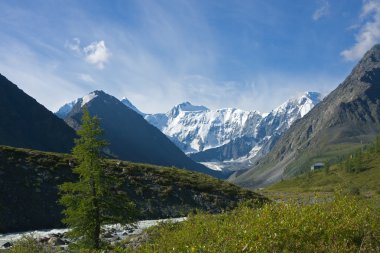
347 118
243 150
27 124
130 136
224 139
268 147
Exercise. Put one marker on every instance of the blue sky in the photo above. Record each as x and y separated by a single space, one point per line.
252 54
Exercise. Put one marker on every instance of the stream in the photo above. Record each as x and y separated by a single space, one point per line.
116 230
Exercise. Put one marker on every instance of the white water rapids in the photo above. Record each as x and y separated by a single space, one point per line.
121 231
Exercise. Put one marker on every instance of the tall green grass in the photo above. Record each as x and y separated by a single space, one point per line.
341 225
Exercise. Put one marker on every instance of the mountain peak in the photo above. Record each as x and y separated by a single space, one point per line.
90 97
188 107
372 55
374 50
369 62
64 110
298 106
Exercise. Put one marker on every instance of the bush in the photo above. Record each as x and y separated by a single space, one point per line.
341 225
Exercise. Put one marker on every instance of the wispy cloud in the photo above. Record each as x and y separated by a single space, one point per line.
323 10
369 31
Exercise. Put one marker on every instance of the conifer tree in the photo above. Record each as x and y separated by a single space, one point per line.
94 200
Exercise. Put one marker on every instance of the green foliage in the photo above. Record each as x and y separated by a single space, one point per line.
357 175
341 225
30 245
94 200
357 161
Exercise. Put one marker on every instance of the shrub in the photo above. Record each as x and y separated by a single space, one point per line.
30 245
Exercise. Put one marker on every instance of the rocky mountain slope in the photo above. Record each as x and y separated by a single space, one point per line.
347 117
131 137
29 179
26 123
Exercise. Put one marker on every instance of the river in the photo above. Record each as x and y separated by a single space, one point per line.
120 231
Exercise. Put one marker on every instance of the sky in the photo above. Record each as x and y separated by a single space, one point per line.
252 54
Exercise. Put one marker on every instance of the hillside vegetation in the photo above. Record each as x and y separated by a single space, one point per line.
29 194
358 174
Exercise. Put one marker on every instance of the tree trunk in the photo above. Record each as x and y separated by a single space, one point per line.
96 235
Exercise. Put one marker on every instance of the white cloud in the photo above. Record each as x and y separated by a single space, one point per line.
369 31
97 53
323 10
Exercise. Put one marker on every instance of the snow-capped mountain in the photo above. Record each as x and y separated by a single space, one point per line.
222 138
67 108
196 128
228 135
281 118
129 135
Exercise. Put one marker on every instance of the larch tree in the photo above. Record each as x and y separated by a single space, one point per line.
95 199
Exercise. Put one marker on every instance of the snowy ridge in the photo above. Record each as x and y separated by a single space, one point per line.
281 118
198 128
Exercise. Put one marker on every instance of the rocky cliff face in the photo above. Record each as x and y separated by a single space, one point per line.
348 116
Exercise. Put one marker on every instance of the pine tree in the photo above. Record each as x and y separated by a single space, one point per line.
94 200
